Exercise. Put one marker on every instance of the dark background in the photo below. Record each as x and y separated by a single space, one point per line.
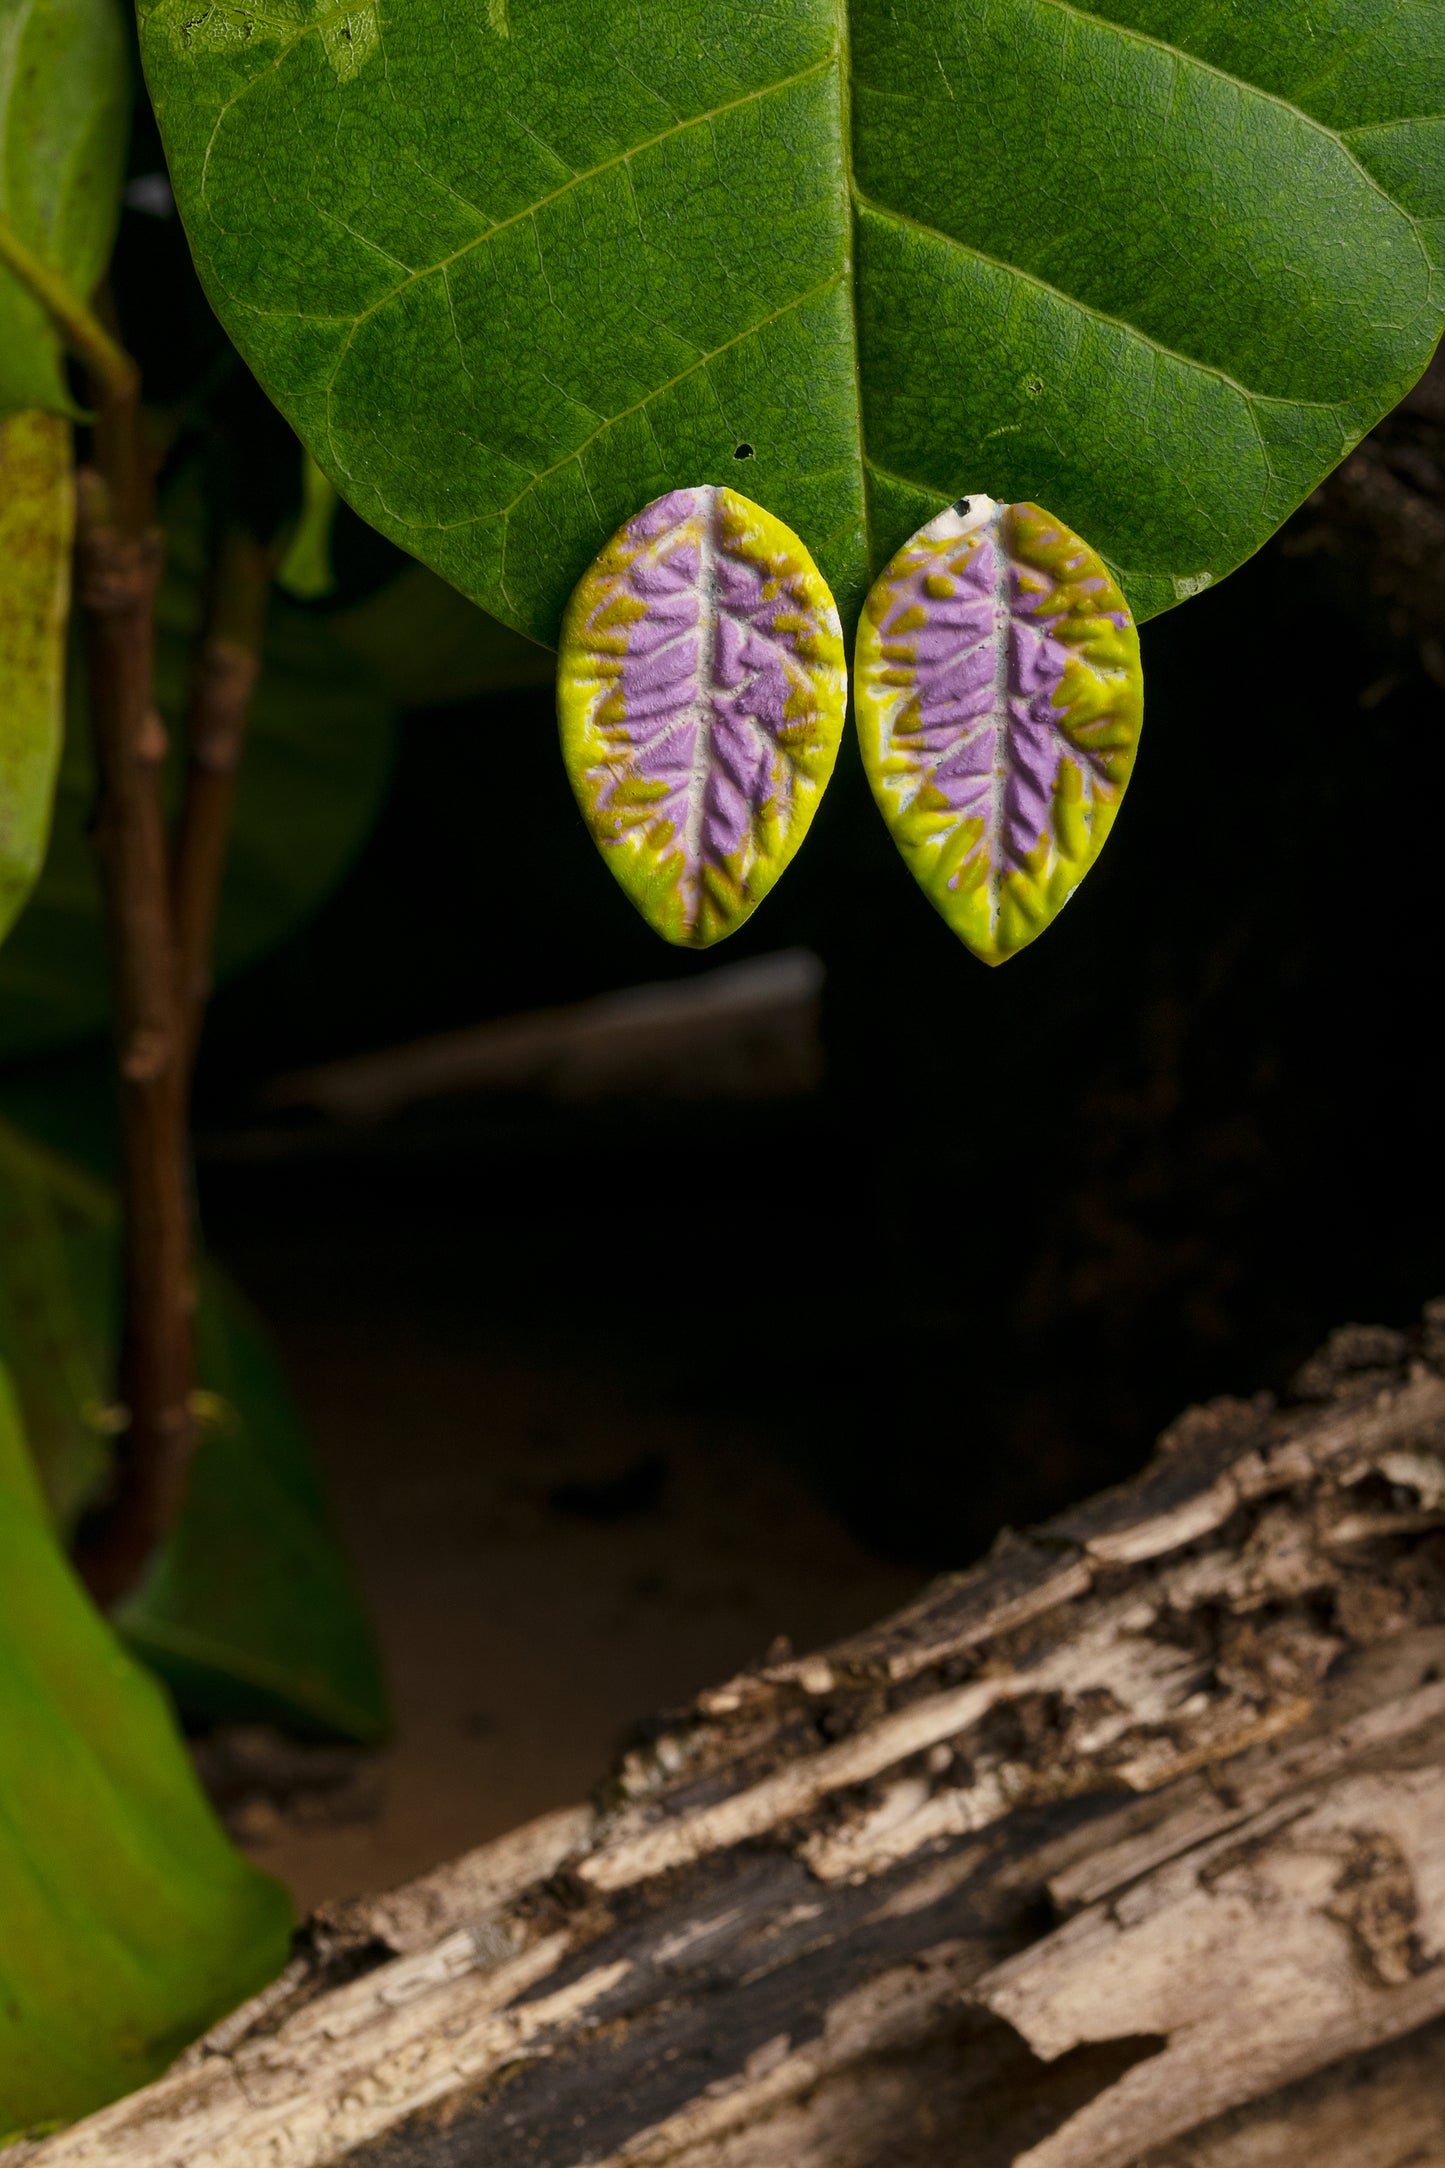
607 1396
1033 1211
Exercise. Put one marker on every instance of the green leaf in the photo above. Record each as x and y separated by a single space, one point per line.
36 518
427 644
317 762
249 1611
514 271
57 1328
127 1922
305 570
65 95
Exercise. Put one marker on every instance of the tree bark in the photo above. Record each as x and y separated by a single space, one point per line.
1126 1847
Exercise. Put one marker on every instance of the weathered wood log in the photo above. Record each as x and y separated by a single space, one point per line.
1126 1847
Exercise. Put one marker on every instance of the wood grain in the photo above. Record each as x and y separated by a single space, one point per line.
1126 1847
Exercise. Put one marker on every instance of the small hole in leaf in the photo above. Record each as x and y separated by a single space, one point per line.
743 451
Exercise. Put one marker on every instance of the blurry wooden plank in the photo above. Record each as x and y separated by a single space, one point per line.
1128 1846
741 1031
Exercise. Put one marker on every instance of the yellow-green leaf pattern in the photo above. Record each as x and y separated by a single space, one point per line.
700 688
999 698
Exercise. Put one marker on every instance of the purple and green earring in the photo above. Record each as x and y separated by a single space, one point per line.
701 688
999 696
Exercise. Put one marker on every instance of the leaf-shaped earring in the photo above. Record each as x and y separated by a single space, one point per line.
701 684
999 698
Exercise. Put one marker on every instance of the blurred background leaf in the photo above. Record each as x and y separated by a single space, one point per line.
313 779
65 98
249 1611
127 1921
428 645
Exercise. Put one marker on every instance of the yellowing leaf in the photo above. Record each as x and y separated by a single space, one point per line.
37 501
318 759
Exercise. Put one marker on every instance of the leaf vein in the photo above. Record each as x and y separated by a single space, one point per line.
592 173
1239 82
640 406
1086 308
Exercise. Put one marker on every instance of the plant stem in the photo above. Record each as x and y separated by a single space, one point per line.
120 560
120 552
223 680
107 363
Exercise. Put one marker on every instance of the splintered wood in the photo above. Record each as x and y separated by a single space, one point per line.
1125 1850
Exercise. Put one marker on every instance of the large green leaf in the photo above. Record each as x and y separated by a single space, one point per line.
249 1610
316 766
127 1922
512 270
65 99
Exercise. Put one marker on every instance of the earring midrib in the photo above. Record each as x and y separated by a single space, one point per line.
705 682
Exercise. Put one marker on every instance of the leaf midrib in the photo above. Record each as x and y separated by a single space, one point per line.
292 33
843 56
857 200
503 512
840 57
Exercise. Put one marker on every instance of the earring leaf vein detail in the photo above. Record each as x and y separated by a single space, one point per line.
701 686
999 695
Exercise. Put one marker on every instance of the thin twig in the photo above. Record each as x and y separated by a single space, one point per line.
108 365
223 680
121 554
120 567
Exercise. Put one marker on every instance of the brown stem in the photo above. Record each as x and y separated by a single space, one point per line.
223 681
120 553
120 561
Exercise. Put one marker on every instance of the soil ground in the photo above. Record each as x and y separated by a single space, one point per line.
553 1543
